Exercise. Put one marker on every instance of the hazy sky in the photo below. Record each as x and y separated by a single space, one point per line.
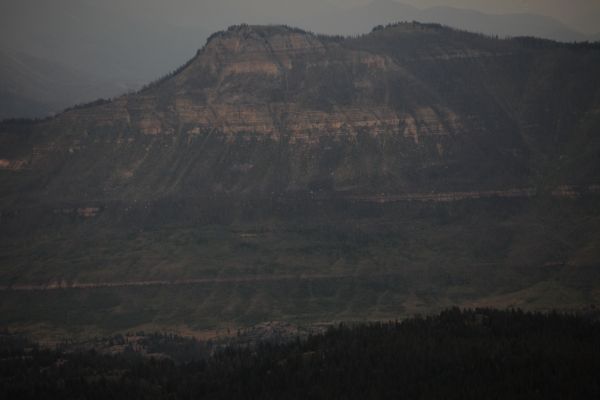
583 15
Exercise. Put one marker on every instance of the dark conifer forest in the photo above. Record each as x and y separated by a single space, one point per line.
470 354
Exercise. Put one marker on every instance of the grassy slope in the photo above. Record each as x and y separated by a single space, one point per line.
390 261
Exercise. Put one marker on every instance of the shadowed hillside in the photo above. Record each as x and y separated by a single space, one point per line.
470 354
33 87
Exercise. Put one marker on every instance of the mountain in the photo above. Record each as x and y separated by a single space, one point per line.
33 87
503 24
125 46
362 18
282 175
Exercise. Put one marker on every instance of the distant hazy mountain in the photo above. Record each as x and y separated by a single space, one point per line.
502 25
360 19
582 15
113 43
32 87
89 52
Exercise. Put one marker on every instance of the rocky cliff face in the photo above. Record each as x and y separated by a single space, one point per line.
259 109
400 171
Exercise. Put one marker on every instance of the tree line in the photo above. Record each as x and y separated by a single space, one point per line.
457 354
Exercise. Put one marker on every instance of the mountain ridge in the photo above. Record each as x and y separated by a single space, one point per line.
503 25
217 89
37 87
137 46
284 175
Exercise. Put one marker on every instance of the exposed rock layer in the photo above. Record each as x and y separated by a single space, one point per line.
408 108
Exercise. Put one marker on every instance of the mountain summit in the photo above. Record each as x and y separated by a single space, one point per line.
399 171
405 108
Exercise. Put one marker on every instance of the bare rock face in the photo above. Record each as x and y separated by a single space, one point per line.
293 69
265 109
